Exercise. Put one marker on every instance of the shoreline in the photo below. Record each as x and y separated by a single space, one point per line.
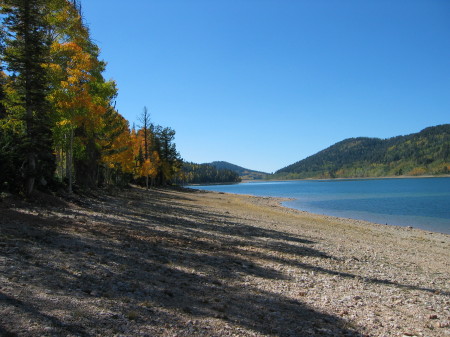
278 202
407 225
187 262
355 178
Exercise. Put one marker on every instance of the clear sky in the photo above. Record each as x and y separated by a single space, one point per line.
265 83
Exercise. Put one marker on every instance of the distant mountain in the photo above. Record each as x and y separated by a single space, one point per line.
244 173
207 174
424 153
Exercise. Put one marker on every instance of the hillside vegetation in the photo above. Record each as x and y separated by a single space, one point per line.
207 174
423 153
244 173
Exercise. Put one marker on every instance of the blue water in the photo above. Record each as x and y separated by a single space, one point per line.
421 203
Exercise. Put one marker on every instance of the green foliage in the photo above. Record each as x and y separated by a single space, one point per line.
426 152
170 158
244 173
10 160
25 53
57 115
207 174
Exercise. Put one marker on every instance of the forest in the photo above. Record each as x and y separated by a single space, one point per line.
59 127
206 173
424 153
244 173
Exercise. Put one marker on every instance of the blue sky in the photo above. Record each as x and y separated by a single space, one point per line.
265 83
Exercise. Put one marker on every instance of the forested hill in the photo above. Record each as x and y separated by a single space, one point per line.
244 173
217 172
207 174
423 153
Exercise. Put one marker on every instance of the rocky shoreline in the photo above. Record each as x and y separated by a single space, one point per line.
191 263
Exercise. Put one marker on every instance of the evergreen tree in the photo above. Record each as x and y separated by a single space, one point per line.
204 173
2 75
26 53
170 158
54 102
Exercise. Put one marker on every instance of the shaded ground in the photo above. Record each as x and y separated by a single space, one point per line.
184 263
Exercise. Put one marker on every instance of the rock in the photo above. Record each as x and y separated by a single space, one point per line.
444 324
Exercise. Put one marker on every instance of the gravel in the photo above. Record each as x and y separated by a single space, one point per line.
176 262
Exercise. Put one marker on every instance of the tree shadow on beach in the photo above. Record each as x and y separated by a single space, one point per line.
154 265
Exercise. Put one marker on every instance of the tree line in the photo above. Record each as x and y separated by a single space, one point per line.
205 173
58 121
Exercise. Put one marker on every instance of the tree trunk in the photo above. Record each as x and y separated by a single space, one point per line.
69 163
30 175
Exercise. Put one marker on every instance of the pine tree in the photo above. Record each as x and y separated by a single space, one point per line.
170 158
26 53
2 75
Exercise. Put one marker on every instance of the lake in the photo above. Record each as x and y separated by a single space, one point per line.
419 202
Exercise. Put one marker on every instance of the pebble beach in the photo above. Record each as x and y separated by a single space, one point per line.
180 262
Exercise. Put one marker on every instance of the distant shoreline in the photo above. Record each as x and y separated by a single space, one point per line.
244 181
212 184
357 178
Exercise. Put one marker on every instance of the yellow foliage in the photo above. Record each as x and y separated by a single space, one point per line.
121 151
418 171
63 122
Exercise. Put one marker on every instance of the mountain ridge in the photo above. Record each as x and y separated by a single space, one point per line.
422 153
244 173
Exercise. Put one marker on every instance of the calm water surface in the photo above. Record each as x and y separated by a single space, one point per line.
422 203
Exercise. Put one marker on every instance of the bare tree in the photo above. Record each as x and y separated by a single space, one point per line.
144 119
